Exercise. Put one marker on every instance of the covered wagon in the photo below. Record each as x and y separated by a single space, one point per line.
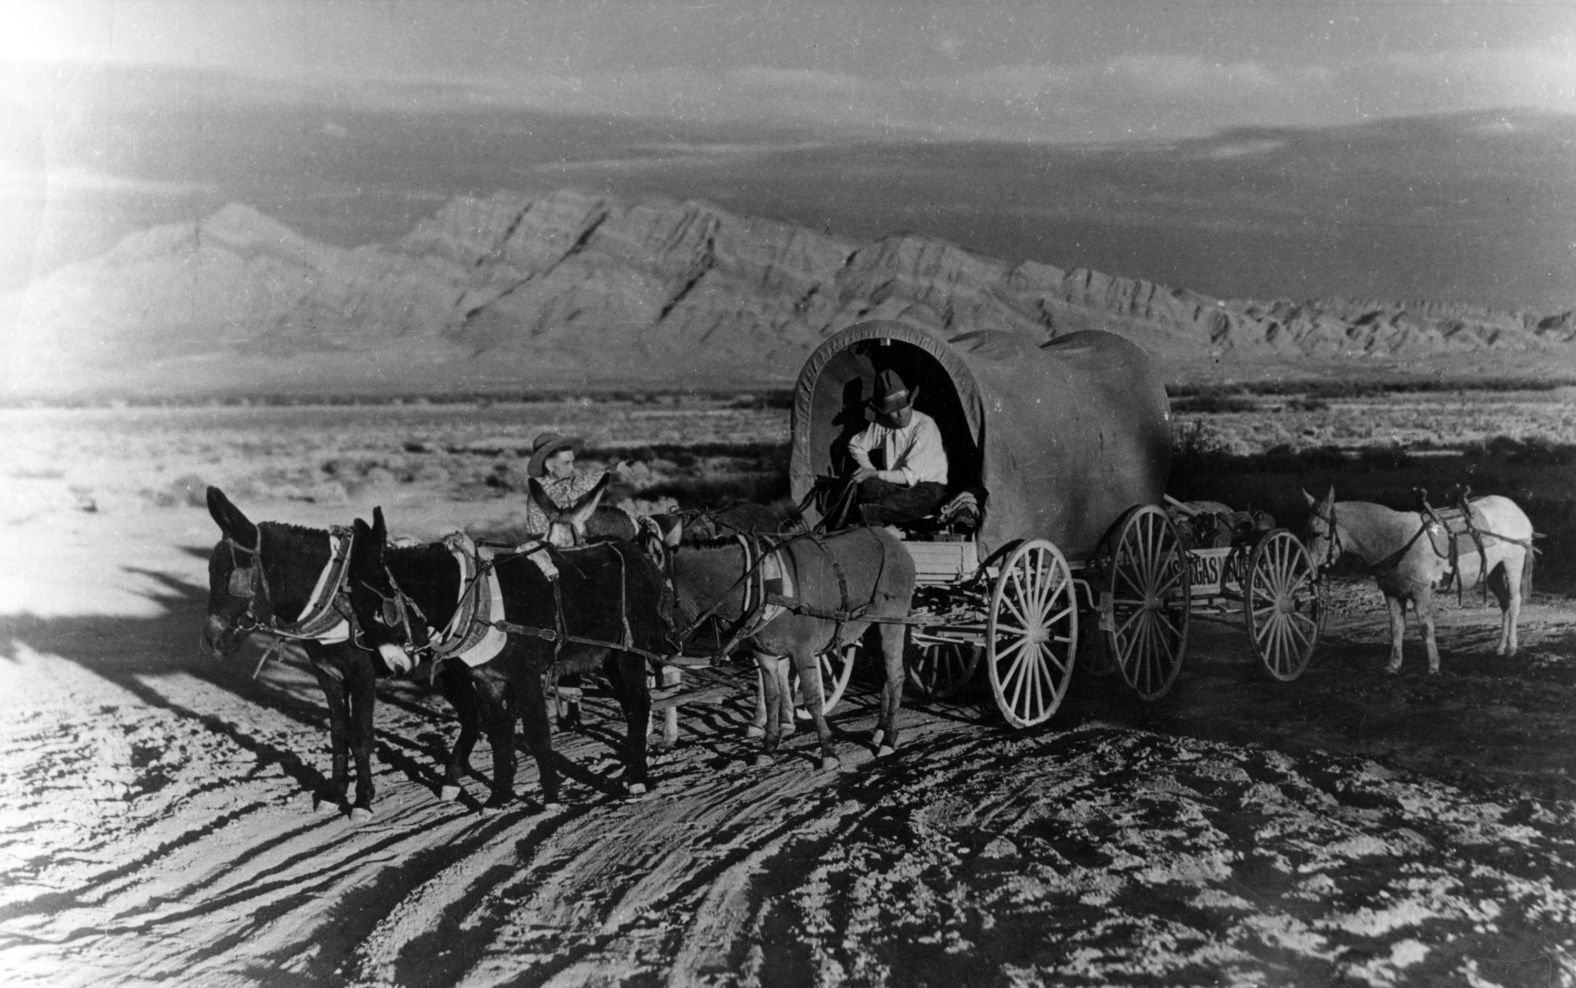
1058 453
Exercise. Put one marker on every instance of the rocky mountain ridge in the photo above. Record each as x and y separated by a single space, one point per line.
572 290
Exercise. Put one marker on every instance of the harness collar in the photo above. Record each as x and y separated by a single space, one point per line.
321 619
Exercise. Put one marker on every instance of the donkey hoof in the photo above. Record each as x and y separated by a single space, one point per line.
449 793
323 807
829 763
637 789
755 731
553 806
885 750
360 814
876 737
761 761
1392 669
800 713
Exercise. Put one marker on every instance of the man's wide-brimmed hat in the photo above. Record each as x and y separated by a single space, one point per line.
546 445
892 395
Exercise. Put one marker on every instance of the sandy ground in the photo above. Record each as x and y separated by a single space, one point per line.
1347 828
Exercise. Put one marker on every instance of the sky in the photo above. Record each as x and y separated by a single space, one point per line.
1245 148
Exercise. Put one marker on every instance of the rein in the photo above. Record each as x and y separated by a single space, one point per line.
1429 520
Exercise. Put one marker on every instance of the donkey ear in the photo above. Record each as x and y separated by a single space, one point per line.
542 501
1309 498
380 530
575 518
230 519
366 549
1330 497
675 534
584 507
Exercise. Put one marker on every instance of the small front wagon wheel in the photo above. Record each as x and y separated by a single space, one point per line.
941 671
1031 633
1148 603
1285 604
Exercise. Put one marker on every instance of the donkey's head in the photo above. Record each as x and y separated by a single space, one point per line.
382 615
237 592
1320 536
567 526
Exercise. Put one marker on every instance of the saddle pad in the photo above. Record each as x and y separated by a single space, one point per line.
470 636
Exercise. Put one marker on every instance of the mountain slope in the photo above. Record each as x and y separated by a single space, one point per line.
576 290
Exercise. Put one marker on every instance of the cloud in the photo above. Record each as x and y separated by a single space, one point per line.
1541 76
77 182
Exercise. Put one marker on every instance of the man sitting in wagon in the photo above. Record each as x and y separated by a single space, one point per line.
900 465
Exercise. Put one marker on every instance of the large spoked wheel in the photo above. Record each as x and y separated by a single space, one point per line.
836 669
942 670
1031 633
1149 604
1285 604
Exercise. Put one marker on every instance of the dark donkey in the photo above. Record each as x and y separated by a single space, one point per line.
604 607
798 597
286 582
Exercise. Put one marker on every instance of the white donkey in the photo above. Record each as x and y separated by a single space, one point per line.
1411 555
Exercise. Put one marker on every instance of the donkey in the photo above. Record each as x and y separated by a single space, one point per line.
832 588
1410 555
285 582
605 606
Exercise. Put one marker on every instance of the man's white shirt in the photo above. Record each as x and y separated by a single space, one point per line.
912 454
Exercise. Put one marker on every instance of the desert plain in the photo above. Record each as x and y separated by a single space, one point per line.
1347 828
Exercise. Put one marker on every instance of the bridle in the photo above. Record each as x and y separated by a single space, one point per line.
1333 549
395 610
248 582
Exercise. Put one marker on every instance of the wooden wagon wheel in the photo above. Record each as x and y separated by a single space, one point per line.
837 667
941 671
1149 602
1284 601
1031 633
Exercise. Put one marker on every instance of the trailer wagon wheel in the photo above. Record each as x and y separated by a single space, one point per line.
1148 601
940 671
1284 604
837 667
1031 633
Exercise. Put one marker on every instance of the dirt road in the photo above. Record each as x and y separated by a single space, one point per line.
1348 828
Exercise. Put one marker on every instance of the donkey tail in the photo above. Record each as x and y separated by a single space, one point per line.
1526 574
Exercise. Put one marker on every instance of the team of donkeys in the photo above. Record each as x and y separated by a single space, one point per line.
492 625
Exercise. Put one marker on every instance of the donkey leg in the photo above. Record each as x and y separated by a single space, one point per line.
893 640
628 674
768 702
809 667
1425 617
757 728
455 680
500 710
538 733
362 691
1505 581
785 699
338 738
1397 629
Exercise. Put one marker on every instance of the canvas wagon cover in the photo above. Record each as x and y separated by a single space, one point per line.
1064 436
